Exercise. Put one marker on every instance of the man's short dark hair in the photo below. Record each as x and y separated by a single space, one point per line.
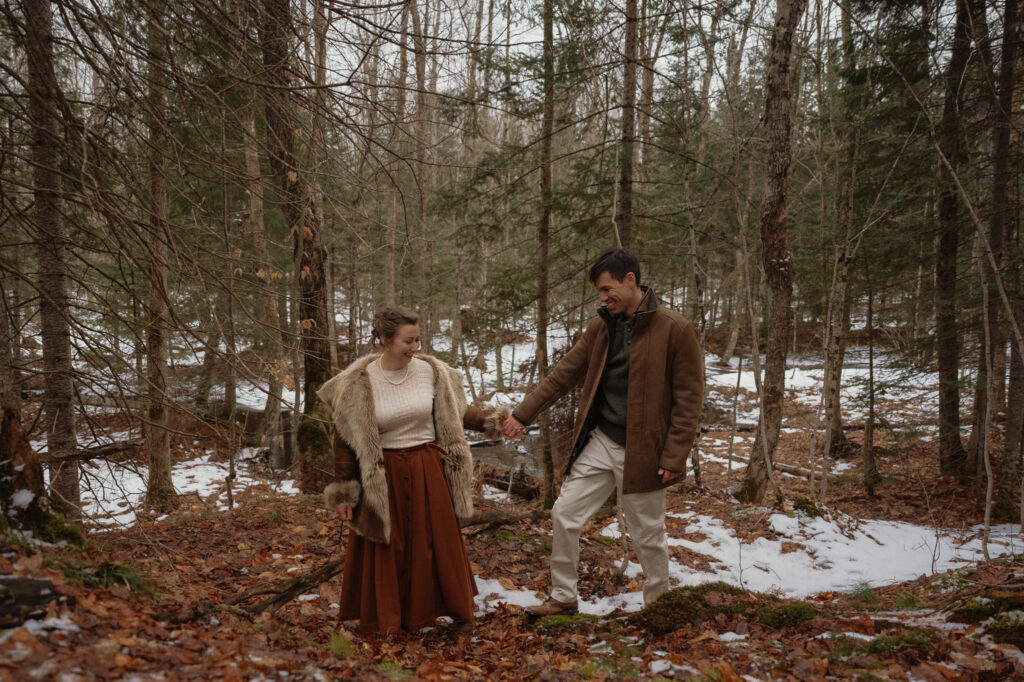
617 263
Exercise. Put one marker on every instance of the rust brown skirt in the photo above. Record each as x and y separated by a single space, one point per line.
423 573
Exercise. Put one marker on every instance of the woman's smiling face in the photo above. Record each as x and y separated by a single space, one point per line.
401 347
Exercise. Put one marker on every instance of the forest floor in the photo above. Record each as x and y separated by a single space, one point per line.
890 586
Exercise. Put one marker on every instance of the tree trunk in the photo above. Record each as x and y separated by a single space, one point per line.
624 211
871 476
159 488
314 451
266 307
1003 221
10 380
775 255
543 235
951 451
51 239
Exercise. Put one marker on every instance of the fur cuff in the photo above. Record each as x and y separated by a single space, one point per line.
342 494
494 421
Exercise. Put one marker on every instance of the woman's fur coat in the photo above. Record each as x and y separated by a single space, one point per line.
348 398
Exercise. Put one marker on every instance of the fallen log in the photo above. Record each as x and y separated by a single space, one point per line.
23 598
96 451
786 468
515 482
491 519
283 592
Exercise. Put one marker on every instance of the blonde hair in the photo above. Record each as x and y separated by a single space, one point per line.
387 321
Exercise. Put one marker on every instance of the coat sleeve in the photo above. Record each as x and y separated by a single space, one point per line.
566 375
687 397
487 422
346 489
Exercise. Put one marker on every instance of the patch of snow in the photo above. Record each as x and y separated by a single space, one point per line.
22 498
37 627
495 494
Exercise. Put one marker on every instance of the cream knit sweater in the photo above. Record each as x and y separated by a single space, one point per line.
405 412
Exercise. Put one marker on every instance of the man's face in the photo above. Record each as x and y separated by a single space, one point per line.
620 297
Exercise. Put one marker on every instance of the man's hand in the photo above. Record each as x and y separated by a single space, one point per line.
345 512
512 428
667 475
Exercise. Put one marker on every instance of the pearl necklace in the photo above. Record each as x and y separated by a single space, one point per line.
383 373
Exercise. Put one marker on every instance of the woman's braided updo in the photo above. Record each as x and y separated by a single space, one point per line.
387 321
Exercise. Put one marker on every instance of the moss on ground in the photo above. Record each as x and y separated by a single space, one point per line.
685 605
975 610
808 506
561 620
61 529
1008 628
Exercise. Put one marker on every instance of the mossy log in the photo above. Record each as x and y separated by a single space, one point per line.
23 598
1010 593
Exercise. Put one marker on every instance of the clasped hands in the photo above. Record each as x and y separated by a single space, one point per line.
513 428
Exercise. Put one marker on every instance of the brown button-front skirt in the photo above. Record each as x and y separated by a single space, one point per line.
424 572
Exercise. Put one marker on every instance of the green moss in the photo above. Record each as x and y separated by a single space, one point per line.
273 518
60 529
313 438
844 646
921 641
864 594
605 540
808 506
975 610
102 575
560 620
789 614
906 602
747 491
952 580
340 645
683 605
1008 628
394 670
615 668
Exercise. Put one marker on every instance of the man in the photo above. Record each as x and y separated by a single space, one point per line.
643 385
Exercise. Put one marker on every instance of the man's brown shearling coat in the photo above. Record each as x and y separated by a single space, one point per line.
664 398
358 456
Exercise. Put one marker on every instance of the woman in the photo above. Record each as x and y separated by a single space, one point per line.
404 475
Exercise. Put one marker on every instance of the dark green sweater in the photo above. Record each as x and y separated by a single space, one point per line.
611 414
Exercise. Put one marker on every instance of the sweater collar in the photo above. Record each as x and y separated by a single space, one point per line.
648 304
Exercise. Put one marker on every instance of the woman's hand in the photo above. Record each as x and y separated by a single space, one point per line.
345 512
512 427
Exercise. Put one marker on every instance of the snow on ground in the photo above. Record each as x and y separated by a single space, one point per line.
834 556
112 492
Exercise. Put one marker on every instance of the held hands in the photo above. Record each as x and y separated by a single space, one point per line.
512 428
667 475
345 512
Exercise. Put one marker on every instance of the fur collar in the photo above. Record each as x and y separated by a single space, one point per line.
348 398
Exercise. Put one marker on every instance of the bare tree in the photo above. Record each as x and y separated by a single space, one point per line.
309 256
952 145
775 256
159 488
51 240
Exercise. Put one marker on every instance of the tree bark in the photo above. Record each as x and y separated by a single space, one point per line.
159 488
543 236
775 254
1003 222
624 211
951 451
297 206
51 242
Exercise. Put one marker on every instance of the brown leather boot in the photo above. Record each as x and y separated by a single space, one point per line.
553 608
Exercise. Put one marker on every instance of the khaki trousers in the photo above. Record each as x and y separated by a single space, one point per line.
596 471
